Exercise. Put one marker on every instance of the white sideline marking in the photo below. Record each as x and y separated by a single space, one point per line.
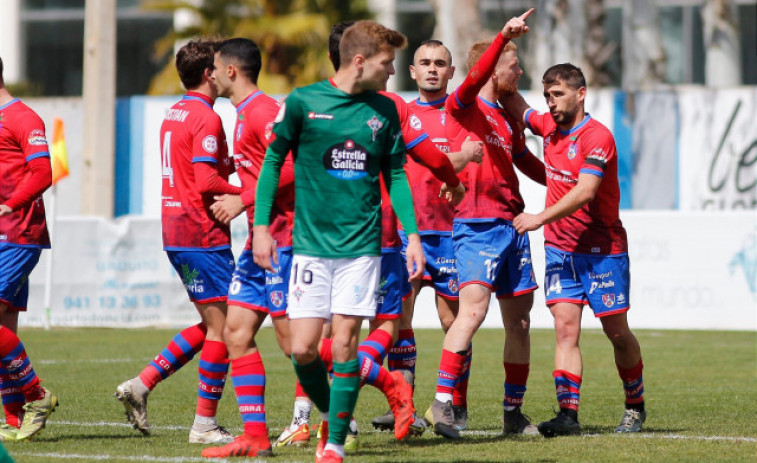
643 435
74 456
115 425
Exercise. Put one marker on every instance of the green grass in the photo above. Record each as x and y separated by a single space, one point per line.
701 396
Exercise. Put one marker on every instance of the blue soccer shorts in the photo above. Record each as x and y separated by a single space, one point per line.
493 254
205 274
441 271
257 289
393 284
16 264
602 281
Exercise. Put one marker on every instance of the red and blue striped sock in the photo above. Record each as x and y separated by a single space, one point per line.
460 394
402 355
516 376
568 388
450 368
17 368
176 354
633 385
214 366
376 345
248 379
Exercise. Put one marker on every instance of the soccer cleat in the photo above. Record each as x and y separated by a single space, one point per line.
135 405
329 456
296 435
384 422
8 432
460 414
242 446
632 420
36 414
323 437
418 426
401 402
515 422
351 443
217 435
560 425
441 417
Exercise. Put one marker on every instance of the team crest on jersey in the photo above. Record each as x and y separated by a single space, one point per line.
347 161
375 125
37 137
239 131
277 298
415 123
608 300
210 144
268 130
572 149
443 117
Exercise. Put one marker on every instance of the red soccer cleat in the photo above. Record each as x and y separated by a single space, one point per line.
330 456
401 402
242 446
322 439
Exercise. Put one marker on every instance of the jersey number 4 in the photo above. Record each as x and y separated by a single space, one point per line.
166 158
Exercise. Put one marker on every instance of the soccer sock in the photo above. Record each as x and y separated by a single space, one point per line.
248 379
344 392
516 376
450 367
567 386
376 345
15 365
177 353
633 386
402 355
214 365
373 373
302 407
13 399
314 379
460 394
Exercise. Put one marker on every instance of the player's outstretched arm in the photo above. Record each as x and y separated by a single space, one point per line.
517 26
515 106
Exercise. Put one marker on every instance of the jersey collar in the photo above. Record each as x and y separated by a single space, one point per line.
576 128
197 96
489 103
9 103
438 102
249 98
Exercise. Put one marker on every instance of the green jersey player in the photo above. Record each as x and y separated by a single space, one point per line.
343 135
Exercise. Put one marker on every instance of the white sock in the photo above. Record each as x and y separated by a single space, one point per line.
205 422
301 414
443 397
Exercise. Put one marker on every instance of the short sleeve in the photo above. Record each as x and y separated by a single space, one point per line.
598 148
32 139
206 143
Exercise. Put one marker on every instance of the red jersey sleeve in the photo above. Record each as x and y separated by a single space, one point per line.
206 147
437 162
600 150
540 124
477 77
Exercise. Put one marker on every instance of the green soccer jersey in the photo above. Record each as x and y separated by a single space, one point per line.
340 144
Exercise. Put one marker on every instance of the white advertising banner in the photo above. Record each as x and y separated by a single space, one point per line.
688 271
718 149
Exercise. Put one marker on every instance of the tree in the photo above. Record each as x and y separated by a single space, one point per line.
292 36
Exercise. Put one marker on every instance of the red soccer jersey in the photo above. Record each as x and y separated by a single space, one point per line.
434 214
492 186
252 135
22 139
191 132
587 148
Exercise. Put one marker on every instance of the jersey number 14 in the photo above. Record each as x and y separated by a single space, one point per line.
166 158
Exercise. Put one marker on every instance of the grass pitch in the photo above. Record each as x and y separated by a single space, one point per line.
701 398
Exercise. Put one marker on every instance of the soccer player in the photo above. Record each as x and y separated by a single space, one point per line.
342 134
195 167
26 173
586 244
254 293
490 255
432 70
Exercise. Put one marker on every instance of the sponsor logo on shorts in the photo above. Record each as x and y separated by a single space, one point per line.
189 278
621 298
608 300
274 280
277 298
601 285
488 254
347 161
